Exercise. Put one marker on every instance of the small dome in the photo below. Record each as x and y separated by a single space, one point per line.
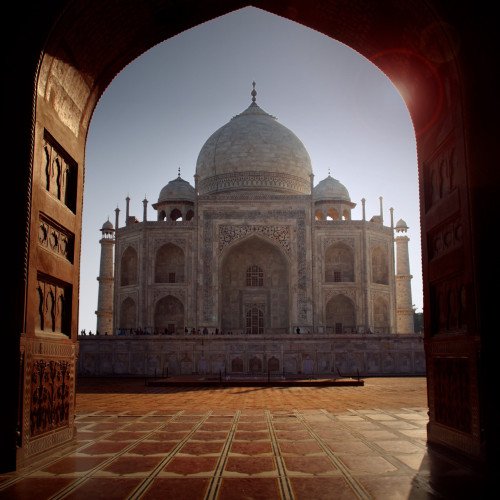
107 226
401 225
331 189
177 190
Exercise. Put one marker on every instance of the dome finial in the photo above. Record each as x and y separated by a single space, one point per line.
179 172
329 172
253 93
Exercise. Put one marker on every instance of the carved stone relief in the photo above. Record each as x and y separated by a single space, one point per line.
230 233
55 239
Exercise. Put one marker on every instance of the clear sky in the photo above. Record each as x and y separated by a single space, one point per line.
158 112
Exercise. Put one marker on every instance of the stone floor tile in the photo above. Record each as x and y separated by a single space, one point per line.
398 446
98 488
351 447
300 447
202 447
74 464
124 465
251 435
104 447
321 488
396 487
250 465
153 448
172 488
313 465
44 487
191 465
255 488
367 464
251 447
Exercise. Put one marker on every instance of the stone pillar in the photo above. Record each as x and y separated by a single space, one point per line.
106 281
404 305
117 218
145 209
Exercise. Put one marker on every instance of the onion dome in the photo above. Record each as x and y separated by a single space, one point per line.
177 190
331 189
401 226
254 151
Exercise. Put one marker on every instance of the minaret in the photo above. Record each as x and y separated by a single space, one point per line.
106 280
404 305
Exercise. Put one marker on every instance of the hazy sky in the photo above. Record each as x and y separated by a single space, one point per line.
158 112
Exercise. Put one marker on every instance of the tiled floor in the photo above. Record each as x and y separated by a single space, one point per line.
239 443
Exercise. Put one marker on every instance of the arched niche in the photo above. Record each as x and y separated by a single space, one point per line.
128 314
254 275
169 315
129 267
339 263
169 264
340 314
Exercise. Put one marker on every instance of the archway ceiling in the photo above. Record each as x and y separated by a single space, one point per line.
98 39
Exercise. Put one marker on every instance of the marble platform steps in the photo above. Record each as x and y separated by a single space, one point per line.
252 381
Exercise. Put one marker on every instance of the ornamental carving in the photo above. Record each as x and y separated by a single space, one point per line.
180 242
452 402
332 241
252 180
54 306
279 234
55 239
209 218
348 292
50 396
59 172
163 292
446 238
449 306
440 175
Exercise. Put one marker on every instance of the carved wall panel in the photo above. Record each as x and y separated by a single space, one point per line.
448 306
230 233
209 236
55 238
59 172
54 305
452 401
50 395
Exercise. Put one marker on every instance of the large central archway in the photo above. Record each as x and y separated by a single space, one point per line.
430 49
254 288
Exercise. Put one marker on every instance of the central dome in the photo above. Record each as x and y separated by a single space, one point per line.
254 151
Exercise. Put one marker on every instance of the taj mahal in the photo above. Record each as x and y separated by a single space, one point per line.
253 254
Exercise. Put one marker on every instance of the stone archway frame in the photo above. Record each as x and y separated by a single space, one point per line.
296 219
282 239
71 59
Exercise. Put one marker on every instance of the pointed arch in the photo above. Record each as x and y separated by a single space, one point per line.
340 314
380 266
128 267
128 314
170 264
169 315
339 263
254 273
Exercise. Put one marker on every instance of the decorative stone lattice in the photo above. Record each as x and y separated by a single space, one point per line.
230 233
